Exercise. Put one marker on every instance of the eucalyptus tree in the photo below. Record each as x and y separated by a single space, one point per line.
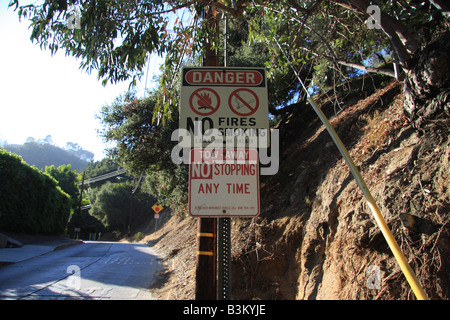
114 38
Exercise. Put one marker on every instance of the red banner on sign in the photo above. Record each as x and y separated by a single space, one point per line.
224 77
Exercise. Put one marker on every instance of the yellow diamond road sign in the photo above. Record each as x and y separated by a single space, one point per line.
157 208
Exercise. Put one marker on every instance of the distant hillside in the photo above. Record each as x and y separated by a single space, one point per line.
41 154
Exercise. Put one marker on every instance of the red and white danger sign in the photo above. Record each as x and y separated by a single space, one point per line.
232 100
224 183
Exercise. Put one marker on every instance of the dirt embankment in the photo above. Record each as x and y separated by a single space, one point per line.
315 237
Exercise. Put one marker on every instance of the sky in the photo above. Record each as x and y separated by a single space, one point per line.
43 95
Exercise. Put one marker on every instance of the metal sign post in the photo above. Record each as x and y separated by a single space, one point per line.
224 259
224 226
157 208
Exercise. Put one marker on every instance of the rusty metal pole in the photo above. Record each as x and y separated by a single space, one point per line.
206 266
224 226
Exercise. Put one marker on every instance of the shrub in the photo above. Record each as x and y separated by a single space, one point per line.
139 236
30 201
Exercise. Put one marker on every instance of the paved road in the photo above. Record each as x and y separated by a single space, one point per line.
92 270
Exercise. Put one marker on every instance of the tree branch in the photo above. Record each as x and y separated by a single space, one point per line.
442 6
173 9
307 11
367 69
235 12
351 64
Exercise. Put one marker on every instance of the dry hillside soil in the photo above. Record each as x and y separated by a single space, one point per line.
315 237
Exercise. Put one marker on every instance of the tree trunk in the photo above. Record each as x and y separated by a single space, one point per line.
427 86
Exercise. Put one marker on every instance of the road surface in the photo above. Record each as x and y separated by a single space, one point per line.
92 270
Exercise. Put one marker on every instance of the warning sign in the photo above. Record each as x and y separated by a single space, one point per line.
232 100
243 102
204 101
157 207
216 177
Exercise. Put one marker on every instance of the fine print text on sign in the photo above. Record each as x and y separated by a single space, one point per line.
224 184
233 101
